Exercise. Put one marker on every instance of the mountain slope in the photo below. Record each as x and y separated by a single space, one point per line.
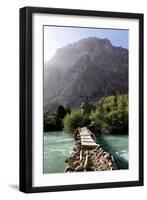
91 67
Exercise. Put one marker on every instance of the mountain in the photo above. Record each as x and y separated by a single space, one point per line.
91 68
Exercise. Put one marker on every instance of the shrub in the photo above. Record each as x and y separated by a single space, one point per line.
111 114
74 120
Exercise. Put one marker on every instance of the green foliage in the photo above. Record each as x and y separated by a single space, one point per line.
61 112
74 120
54 121
111 114
68 110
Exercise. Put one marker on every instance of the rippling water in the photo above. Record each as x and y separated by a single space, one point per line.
58 146
117 145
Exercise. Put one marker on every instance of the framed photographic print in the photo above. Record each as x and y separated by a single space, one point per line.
81 99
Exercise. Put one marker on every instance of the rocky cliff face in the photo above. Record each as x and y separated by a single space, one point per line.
90 68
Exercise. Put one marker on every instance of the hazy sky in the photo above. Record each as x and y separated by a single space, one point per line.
57 37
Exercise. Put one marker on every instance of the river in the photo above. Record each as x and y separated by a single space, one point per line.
117 145
58 146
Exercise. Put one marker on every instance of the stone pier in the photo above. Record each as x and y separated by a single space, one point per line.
88 155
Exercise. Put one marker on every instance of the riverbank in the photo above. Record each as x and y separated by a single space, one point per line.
88 156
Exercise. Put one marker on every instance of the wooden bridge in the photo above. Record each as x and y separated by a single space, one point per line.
87 138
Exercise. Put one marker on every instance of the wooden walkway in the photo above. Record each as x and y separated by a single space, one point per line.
87 138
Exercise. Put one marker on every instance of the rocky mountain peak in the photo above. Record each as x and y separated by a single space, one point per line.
91 67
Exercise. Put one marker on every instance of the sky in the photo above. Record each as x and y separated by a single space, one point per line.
57 37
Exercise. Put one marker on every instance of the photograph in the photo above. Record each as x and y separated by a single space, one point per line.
85 99
81 99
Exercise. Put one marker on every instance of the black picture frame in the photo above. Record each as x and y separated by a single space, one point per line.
26 92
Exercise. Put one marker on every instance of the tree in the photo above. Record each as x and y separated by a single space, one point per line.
111 114
60 116
74 120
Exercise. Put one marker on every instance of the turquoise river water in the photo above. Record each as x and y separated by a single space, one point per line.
58 146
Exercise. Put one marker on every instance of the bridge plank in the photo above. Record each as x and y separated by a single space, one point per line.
86 139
